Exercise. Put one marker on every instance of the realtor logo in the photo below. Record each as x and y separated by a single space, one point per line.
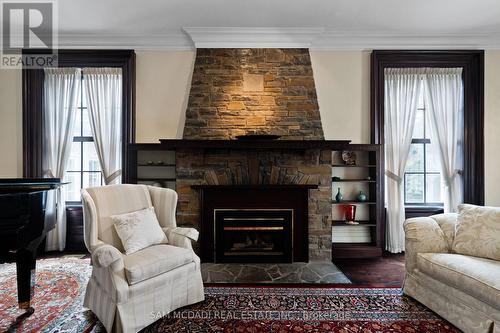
28 25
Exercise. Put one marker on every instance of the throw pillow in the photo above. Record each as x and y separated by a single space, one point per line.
478 231
138 230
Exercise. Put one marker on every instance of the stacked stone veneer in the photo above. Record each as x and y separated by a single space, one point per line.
220 108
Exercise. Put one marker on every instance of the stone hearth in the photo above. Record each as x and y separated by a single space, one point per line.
314 272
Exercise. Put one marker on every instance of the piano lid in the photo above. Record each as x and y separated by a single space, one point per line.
27 185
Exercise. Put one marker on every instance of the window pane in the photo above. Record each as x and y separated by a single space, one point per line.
415 162
74 157
414 188
433 162
90 159
433 191
86 123
91 179
418 129
72 190
78 123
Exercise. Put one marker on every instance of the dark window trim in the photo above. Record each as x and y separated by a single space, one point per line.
417 211
472 62
33 101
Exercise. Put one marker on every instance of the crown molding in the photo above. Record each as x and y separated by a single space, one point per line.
241 37
316 39
338 40
169 42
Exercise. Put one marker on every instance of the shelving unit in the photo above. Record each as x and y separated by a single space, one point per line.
353 180
365 239
152 164
353 202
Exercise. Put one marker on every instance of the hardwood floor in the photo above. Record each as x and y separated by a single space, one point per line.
387 271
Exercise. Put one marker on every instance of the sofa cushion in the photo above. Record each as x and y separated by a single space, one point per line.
155 260
478 231
477 277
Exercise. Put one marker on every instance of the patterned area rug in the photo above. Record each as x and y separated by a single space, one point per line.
60 286
292 309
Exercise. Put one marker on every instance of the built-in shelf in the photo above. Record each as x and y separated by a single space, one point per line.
353 202
364 223
156 179
354 166
353 180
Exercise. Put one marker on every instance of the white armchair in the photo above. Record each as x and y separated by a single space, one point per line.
127 292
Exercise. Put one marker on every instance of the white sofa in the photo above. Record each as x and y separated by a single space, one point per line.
463 289
129 292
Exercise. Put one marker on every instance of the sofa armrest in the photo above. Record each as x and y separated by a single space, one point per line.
422 235
181 237
108 256
447 222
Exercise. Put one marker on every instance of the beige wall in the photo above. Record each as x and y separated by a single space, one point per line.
11 145
343 87
492 127
341 78
162 90
342 83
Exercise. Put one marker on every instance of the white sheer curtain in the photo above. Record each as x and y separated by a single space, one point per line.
402 87
444 100
104 96
61 88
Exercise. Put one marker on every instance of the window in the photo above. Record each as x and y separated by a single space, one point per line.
473 81
83 168
422 179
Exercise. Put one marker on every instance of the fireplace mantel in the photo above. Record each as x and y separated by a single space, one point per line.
257 187
256 144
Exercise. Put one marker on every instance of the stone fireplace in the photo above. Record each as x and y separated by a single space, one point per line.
255 91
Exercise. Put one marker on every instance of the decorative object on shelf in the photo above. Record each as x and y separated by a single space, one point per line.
150 162
349 157
362 197
160 162
156 184
350 214
335 178
339 196
257 137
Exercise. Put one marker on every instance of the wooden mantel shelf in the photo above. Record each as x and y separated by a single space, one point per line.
257 144
255 187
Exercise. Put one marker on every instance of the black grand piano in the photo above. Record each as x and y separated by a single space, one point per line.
23 227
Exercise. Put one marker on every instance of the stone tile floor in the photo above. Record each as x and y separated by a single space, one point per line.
298 272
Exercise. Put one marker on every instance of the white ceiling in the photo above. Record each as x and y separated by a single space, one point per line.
322 24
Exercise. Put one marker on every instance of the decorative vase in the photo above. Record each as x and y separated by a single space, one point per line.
361 196
339 196
350 214
349 157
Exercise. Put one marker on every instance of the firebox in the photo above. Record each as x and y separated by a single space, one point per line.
254 223
253 235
